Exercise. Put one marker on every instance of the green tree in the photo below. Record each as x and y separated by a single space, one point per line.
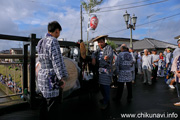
89 8
112 44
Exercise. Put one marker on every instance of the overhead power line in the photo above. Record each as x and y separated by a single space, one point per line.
158 19
125 4
147 23
131 7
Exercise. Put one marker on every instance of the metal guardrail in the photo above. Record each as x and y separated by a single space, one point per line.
5 96
18 56
32 42
14 38
28 41
10 63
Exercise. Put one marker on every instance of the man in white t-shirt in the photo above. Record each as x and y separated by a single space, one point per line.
147 67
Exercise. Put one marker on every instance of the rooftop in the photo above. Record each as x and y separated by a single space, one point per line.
16 49
150 43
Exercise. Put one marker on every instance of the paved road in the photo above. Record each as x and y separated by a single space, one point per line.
147 100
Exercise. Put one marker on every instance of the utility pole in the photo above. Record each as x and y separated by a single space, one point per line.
81 23
88 28
88 34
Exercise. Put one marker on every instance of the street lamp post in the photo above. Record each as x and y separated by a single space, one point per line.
131 25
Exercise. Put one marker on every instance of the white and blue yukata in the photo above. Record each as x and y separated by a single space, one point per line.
176 52
105 70
124 67
169 62
105 67
176 67
134 63
52 62
124 70
161 66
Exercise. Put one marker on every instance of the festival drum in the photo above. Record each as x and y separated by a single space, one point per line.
72 82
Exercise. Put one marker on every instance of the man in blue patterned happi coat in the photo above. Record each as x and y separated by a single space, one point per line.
103 57
124 70
52 64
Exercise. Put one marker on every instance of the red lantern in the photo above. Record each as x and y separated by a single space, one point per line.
93 22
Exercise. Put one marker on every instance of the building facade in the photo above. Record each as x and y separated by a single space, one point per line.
15 51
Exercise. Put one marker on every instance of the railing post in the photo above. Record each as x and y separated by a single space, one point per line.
25 62
32 69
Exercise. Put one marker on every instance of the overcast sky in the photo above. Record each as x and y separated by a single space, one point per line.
23 17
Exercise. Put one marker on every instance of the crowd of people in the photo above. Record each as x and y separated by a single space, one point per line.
8 81
129 64
52 74
151 65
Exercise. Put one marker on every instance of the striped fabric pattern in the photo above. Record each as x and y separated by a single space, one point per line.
124 67
104 78
50 55
168 60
